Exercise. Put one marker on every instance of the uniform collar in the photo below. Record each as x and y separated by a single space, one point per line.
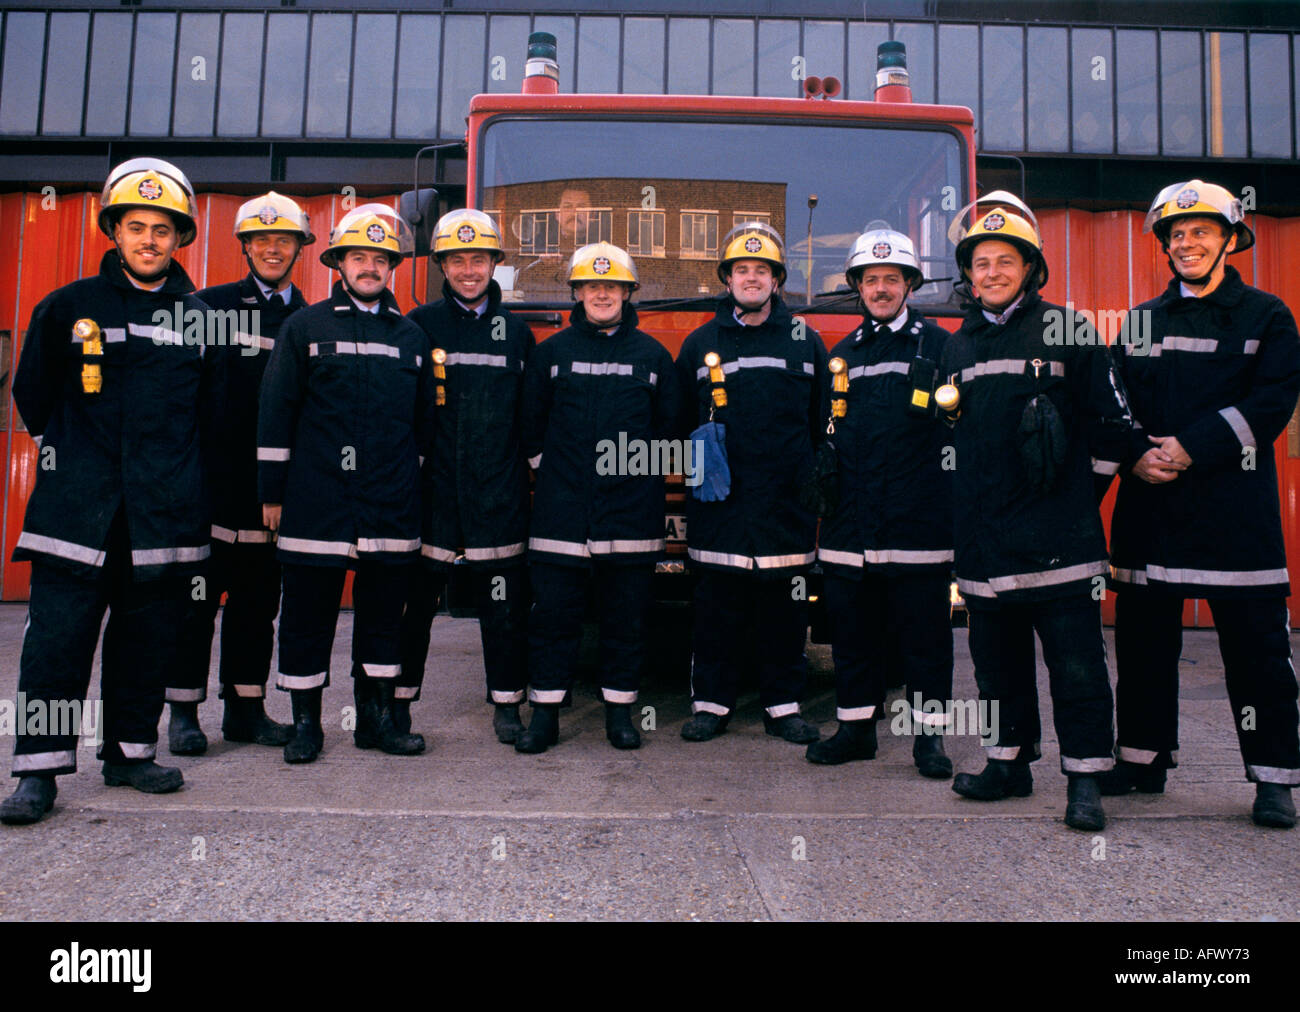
1230 291
726 315
487 306
343 302
578 319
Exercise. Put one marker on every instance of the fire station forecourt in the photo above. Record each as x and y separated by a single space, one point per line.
744 829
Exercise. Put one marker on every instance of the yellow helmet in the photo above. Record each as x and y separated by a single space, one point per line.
1198 199
370 226
273 212
753 240
602 261
1008 220
465 230
153 184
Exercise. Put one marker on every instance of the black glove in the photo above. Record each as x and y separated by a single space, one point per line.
1042 442
820 493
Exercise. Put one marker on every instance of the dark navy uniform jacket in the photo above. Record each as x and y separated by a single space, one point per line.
475 495
135 445
776 414
1014 542
599 411
895 507
238 361
347 409
1221 373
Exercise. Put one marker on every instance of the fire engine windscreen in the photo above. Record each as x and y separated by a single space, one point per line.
669 192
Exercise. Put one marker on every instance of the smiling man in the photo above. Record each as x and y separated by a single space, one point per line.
1217 388
271 230
346 412
117 520
753 547
474 490
1030 553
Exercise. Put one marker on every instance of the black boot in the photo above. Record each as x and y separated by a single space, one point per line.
618 726
402 715
1128 776
33 797
308 738
927 753
1273 806
506 723
1083 805
704 726
184 736
853 739
146 776
792 728
1000 778
245 720
375 728
543 730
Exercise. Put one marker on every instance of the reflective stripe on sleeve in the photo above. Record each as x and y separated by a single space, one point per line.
782 561
1008 366
720 559
497 552
601 368
840 559
1201 345
1239 425
276 453
625 546
164 556
310 546
388 544
574 548
1210 577
879 369
158 335
475 358
63 549
437 554
1250 347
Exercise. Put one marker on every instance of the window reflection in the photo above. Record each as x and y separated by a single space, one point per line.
151 76
1137 126
285 75
65 74
241 70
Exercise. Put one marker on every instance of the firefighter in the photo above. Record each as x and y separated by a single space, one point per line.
475 500
600 402
1035 409
346 413
110 389
272 230
1213 367
887 548
757 371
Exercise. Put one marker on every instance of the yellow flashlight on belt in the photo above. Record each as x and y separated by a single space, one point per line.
714 361
947 397
92 344
440 374
839 387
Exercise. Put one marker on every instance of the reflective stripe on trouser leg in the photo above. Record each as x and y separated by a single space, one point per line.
142 644
1002 649
187 682
919 622
1148 645
623 603
63 618
425 589
554 629
777 640
309 615
248 619
856 613
1075 655
379 592
503 597
721 618
1255 641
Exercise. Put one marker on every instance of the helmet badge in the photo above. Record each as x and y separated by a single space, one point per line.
753 244
466 233
268 215
601 265
994 222
149 188
375 233
881 250
1187 198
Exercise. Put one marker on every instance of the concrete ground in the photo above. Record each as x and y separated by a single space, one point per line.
739 828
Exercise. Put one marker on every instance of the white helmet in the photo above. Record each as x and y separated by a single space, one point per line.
880 245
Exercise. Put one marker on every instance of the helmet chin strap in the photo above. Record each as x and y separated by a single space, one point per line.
140 277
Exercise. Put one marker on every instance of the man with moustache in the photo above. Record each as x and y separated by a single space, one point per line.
110 390
752 549
347 410
887 547
272 230
1038 417
1214 381
475 487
